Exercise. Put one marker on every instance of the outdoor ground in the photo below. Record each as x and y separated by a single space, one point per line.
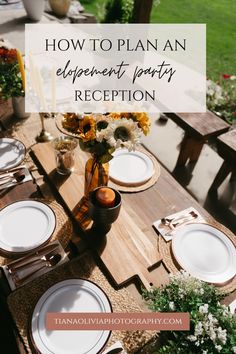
219 15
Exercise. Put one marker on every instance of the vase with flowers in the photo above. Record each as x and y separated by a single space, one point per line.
12 78
100 135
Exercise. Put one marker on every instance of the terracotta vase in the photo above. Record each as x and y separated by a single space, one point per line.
60 7
96 175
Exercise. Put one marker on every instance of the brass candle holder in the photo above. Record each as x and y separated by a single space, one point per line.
44 136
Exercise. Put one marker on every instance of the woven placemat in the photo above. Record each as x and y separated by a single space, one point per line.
146 185
22 301
172 266
62 232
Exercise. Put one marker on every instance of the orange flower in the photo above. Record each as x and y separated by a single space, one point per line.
87 128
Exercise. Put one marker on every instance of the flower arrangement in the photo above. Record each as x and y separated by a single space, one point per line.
212 326
221 97
11 71
101 134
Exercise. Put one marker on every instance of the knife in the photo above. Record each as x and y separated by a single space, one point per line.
41 252
9 184
5 173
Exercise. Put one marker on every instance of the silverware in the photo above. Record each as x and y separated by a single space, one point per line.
169 222
51 262
11 170
17 176
41 252
178 224
44 258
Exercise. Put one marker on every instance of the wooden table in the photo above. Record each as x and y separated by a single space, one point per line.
164 198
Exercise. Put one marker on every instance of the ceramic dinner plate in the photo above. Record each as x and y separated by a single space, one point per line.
12 153
25 225
205 252
72 295
130 168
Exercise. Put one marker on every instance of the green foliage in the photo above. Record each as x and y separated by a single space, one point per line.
221 97
212 326
118 11
219 17
10 81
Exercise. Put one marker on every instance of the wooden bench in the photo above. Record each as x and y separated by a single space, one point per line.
226 147
198 127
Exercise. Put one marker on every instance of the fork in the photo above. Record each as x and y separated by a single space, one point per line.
44 258
54 260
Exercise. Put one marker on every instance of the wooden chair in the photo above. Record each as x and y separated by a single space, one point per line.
226 147
198 127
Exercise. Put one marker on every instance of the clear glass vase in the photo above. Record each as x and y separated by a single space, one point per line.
96 175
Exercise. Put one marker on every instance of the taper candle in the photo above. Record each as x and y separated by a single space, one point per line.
39 82
22 68
53 89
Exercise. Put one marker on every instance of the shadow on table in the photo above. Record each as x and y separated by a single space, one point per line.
16 24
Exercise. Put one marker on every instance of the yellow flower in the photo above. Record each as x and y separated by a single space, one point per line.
143 121
87 128
114 115
71 122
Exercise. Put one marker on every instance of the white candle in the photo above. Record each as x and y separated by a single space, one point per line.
32 73
53 89
40 92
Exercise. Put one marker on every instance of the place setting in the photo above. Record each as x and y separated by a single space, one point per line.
70 295
77 286
12 169
205 250
133 171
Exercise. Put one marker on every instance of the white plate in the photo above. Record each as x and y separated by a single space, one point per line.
12 153
25 225
130 168
205 252
72 295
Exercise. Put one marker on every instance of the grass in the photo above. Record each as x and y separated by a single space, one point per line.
220 17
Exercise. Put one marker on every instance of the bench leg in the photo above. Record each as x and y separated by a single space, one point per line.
196 150
190 150
233 176
223 172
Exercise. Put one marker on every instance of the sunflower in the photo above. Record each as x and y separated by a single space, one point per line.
87 129
143 121
70 122
123 133
102 121
114 115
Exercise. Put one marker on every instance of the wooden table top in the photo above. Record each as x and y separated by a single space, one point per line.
203 125
227 144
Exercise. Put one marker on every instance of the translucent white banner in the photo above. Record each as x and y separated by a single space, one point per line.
115 67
